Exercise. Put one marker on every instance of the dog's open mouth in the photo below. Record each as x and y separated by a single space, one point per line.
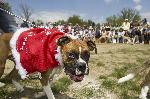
76 78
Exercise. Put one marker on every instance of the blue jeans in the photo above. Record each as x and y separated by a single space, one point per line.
7 22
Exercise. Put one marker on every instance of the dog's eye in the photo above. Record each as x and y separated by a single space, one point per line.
71 55
85 55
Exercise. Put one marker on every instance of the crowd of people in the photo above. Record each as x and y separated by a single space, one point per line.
133 33
130 32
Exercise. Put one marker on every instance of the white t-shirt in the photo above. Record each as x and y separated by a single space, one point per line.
126 26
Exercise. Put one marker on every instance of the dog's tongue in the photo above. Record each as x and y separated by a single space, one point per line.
78 78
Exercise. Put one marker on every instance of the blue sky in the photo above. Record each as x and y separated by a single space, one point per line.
97 10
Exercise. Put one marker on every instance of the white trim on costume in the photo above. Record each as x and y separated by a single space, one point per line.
16 55
58 56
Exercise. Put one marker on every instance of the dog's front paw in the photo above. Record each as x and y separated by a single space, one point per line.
39 94
20 90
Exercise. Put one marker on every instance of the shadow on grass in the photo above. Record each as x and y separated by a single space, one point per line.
59 86
28 93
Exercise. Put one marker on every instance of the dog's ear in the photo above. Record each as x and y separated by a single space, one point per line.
91 46
63 40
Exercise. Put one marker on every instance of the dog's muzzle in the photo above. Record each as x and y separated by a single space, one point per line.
82 69
77 70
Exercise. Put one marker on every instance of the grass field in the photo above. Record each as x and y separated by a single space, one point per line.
112 62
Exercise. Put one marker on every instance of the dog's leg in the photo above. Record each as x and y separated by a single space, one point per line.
46 84
4 50
18 86
2 67
47 76
144 92
48 91
39 94
15 78
145 86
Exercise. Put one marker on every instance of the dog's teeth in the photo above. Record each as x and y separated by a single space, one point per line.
78 72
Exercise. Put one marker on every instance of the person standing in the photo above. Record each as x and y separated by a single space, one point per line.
126 25
7 21
121 35
24 25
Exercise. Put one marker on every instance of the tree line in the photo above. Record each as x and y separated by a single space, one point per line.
114 20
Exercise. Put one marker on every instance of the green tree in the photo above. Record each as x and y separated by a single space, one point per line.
6 6
98 25
113 20
26 11
91 23
130 14
126 13
75 19
39 22
60 22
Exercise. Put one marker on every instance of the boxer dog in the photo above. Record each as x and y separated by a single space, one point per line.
46 51
145 83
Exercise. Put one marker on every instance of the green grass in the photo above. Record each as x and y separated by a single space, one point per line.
109 52
124 89
102 77
61 85
140 60
120 72
91 61
143 52
85 93
125 50
109 84
100 64
3 93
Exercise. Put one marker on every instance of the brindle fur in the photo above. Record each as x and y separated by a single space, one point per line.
4 50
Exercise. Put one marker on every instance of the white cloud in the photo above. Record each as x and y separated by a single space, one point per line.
138 7
145 15
50 16
108 1
137 1
53 16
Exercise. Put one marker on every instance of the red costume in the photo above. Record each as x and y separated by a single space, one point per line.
37 48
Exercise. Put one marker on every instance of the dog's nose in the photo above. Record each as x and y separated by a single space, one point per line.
82 67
